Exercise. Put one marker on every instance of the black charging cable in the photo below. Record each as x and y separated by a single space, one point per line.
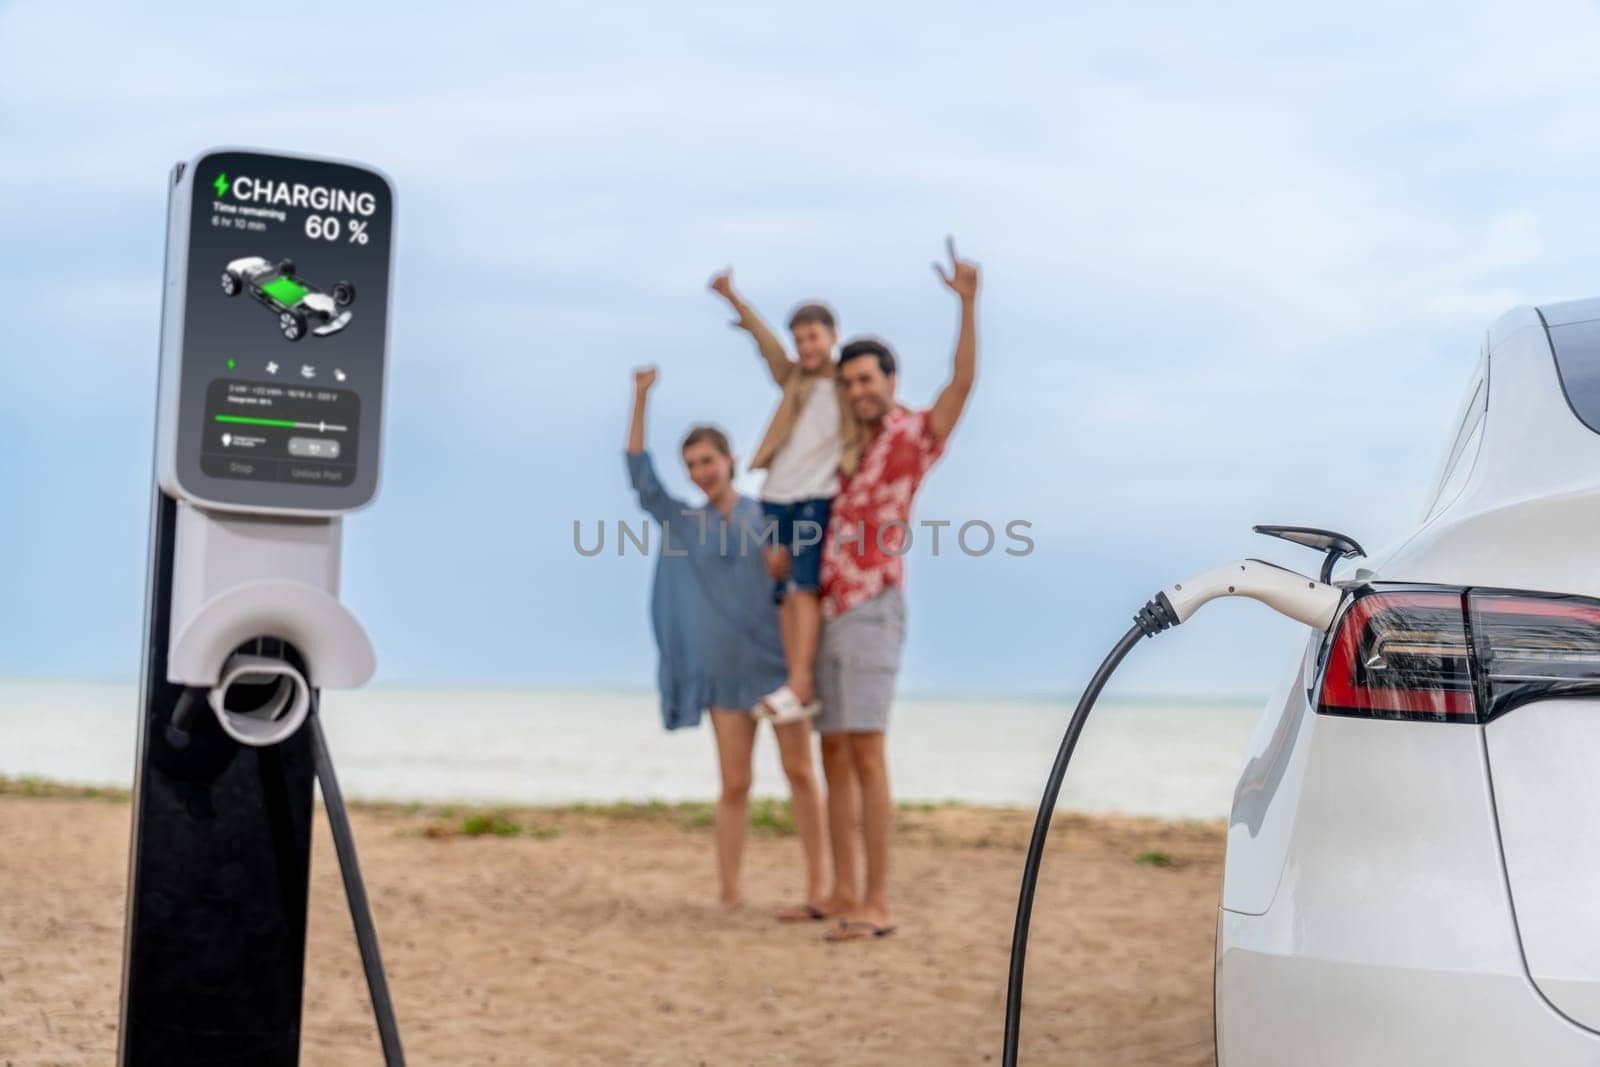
1154 617
344 843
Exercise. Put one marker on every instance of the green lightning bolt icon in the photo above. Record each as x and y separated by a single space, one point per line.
221 185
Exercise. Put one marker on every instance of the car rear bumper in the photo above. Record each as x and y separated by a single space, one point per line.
1276 1005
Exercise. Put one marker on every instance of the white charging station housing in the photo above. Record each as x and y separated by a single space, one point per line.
274 339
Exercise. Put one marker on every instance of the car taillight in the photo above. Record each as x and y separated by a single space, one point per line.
1530 646
1458 655
1401 655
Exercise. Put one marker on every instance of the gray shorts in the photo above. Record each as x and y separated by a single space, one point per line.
857 663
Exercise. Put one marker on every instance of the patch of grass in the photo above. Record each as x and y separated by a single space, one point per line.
685 815
693 815
1154 857
628 810
928 806
697 817
773 816
30 786
767 814
497 824
488 823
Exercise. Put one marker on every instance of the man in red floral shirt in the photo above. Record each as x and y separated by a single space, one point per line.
863 570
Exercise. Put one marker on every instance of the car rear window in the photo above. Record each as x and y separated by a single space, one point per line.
1577 349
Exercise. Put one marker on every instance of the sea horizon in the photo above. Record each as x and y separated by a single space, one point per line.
1155 756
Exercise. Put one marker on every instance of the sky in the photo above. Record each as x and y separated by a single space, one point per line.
1237 263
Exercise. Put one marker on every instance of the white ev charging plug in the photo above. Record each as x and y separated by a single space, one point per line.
270 699
1284 591
1289 593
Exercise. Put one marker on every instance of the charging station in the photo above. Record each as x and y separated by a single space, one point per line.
274 338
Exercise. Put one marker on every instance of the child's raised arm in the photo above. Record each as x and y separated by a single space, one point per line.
767 342
643 379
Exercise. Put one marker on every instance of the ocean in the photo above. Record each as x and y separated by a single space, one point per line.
530 746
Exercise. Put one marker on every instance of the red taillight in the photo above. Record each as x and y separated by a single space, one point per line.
1401 655
1457 655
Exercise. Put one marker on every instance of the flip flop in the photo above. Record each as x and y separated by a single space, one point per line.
805 913
856 930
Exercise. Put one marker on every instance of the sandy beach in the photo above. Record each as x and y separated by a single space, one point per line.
583 935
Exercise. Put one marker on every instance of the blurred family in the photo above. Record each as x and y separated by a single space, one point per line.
791 608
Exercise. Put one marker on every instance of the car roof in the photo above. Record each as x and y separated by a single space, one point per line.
1531 492
1534 441
1570 311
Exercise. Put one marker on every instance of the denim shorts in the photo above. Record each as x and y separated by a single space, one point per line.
801 526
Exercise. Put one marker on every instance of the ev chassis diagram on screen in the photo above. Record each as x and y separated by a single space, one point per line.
300 306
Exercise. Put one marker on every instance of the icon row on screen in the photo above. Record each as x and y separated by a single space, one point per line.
307 371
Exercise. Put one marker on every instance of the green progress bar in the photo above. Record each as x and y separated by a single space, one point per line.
256 422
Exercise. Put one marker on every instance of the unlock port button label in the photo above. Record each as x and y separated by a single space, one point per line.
314 447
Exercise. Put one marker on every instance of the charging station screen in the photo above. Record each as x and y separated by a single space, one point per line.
286 291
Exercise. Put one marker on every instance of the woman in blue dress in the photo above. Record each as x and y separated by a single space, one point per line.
717 634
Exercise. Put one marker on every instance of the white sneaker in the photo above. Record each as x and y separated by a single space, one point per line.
767 706
782 706
802 712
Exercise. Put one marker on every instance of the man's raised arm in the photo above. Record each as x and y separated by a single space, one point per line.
772 351
963 281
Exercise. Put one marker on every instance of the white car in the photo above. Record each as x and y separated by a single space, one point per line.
1413 864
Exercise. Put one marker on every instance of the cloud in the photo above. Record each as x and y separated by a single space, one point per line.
1238 263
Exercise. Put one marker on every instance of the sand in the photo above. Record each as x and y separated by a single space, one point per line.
586 937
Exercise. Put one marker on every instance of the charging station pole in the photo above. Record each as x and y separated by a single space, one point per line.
268 431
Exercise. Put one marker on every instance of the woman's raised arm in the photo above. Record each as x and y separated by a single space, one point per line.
653 496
